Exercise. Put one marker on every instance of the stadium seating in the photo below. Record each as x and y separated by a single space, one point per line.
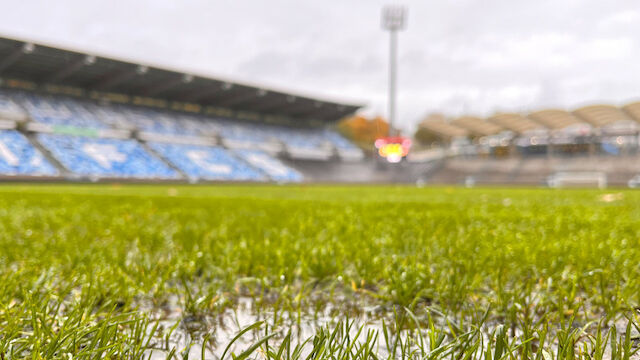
9 110
58 111
19 157
274 168
92 139
103 157
110 115
155 121
345 149
296 138
338 140
207 162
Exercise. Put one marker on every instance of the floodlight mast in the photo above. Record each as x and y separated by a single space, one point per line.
393 20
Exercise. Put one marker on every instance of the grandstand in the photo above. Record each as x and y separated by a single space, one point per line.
511 148
71 115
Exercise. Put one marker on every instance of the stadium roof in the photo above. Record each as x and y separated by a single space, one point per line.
555 119
43 65
515 122
633 110
437 126
601 115
477 125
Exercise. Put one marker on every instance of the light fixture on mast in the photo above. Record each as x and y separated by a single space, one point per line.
393 20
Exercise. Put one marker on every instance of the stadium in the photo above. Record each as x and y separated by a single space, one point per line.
149 212
75 116
589 146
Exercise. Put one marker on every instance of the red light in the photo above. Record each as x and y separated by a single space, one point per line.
393 148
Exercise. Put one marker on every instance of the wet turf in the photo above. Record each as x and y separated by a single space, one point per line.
88 270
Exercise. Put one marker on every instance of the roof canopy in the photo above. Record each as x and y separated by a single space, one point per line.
601 115
477 125
515 122
633 110
44 65
554 118
443 129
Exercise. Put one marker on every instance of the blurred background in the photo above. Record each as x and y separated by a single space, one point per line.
455 57
493 80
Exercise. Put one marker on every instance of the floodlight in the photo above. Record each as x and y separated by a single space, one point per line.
89 60
28 48
187 78
393 17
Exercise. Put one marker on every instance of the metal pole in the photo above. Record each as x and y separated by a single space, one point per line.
393 49
393 19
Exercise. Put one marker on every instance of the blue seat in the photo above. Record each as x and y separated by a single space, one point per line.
207 162
297 138
58 111
271 166
339 141
105 157
102 157
238 131
19 157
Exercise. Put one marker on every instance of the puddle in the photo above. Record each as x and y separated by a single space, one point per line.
219 330
186 333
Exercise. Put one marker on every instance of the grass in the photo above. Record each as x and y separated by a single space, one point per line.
114 271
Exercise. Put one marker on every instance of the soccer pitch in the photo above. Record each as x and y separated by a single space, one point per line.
369 272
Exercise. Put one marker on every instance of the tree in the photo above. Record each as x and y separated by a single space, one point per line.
363 131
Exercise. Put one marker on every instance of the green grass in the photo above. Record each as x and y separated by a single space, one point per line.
111 271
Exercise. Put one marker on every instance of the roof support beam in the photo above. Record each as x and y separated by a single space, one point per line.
241 98
69 69
160 88
119 78
26 48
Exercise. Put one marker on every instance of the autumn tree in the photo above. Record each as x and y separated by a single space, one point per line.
363 131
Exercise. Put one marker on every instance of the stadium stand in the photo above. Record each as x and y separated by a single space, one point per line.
303 143
19 157
532 148
207 162
11 111
57 111
105 158
243 136
274 168
344 148
74 115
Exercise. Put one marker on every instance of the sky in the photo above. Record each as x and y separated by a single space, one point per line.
456 57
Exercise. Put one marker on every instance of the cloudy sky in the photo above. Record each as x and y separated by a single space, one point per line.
456 56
